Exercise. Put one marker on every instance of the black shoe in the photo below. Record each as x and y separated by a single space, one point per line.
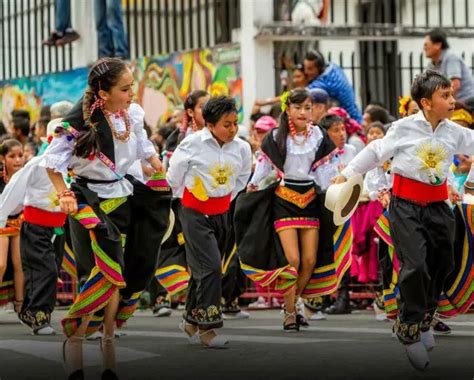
108 374
338 309
51 40
301 320
69 36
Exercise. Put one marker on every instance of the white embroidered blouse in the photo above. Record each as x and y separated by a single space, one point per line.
300 154
59 157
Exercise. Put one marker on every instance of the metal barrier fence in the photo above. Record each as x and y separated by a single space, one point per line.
153 27
408 13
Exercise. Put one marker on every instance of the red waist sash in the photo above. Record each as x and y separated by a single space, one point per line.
213 206
419 192
43 218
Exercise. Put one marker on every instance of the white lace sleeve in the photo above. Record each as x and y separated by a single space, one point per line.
58 154
145 148
262 170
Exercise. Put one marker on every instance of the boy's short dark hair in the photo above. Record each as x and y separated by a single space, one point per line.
216 107
20 113
378 113
22 124
426 83
328 121
438 36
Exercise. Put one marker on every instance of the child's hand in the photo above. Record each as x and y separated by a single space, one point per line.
339 179
251 188
68 205
454 196
384 198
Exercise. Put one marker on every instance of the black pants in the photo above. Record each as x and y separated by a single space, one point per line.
206 238
423 237
40 252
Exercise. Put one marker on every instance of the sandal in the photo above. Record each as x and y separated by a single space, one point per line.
217 342
290 327
193 339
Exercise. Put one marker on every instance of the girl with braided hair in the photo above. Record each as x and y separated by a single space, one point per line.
97 144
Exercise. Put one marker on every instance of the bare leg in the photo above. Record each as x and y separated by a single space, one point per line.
289 242
108 340
309 239
72 350
4 244
18 276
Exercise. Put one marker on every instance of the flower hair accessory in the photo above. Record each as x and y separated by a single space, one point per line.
284 101
403 103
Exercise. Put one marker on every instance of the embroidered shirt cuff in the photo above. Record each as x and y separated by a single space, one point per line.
56 163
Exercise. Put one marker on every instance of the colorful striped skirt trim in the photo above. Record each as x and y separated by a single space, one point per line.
7 292
105 277
296 223
174 278
127 308
325 279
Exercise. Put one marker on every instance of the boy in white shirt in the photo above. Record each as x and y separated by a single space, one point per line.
422 223
207 170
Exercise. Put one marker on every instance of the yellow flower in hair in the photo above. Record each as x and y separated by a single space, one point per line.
403 105
284 100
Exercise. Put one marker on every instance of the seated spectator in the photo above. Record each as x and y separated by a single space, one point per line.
331 78
63 33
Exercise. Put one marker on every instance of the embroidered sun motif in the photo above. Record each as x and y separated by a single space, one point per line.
432 157
53 199
221 175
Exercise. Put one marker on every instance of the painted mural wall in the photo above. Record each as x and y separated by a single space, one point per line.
162 83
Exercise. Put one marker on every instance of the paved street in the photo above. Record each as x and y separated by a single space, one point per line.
342 347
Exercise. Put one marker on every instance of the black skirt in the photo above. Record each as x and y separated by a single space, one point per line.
295 206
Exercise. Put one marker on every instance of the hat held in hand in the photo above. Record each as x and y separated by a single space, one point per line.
342 198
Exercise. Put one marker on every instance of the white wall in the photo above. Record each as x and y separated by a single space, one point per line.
258 70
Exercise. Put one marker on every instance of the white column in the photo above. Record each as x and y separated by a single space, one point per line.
257 61
83 21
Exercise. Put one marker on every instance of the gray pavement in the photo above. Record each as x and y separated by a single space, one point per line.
342 347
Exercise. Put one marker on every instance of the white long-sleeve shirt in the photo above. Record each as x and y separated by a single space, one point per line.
418 152
207 169
59 157
30 186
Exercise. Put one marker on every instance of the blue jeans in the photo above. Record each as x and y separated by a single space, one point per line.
111 29
63 15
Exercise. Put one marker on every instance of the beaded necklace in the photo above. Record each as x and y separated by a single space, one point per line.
123 114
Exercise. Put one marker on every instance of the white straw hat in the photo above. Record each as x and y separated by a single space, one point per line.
342 198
